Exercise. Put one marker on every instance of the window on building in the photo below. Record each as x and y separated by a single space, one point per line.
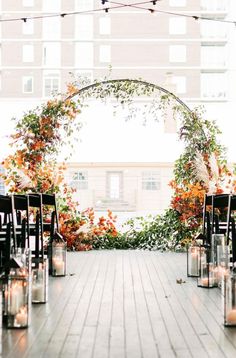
214 5
151 180
52 54
105 25
211 29
177 2
177 25
82 5
105 53
52 5
51 28
114 185
28 3
180 83
28 53
51 83
2 185
177 53
28 27
79 180
214 85
84 78
84 27
27 84
213 56
84 54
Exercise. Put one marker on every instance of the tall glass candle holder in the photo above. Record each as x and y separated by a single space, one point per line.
208 275
40 281
193 260
58 256
17 296
217 240
223 263
230 299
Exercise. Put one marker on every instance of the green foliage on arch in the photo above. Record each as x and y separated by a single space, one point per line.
40 133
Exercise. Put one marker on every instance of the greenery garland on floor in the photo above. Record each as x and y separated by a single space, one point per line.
40 134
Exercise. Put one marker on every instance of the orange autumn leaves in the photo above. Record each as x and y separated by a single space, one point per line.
188 202
80 231
36 142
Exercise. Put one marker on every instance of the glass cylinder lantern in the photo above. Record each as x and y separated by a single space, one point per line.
230 298
208 274
40 281
217 240
17 296
223 263
193 260
58 259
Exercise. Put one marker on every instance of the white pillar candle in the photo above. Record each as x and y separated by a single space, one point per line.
58 266
21 318
16 298
38 292
194 263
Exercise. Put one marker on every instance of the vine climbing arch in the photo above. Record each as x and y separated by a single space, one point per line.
40 134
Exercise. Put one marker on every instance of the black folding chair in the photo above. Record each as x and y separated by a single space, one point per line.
8 242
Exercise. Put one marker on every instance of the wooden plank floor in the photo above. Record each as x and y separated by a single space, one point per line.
124 304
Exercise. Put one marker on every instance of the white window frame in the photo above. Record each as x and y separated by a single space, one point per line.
105 25
50 58
51 75
79 180
151 180
84 27
105 53
28 53
180 83
24 80
216 83
51 27
85 77
28 27
212 30
213 56
114 185
177 53
177 25
84 55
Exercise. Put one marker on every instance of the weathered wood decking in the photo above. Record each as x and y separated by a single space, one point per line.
124 304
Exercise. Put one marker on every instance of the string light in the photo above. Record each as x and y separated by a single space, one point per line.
118 5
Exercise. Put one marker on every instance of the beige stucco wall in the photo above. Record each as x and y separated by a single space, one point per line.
134 198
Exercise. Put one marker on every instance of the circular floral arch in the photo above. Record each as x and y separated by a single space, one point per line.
40 134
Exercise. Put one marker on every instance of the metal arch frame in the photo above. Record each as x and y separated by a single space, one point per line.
141 82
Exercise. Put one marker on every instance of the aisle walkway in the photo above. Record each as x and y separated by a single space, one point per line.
124 304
